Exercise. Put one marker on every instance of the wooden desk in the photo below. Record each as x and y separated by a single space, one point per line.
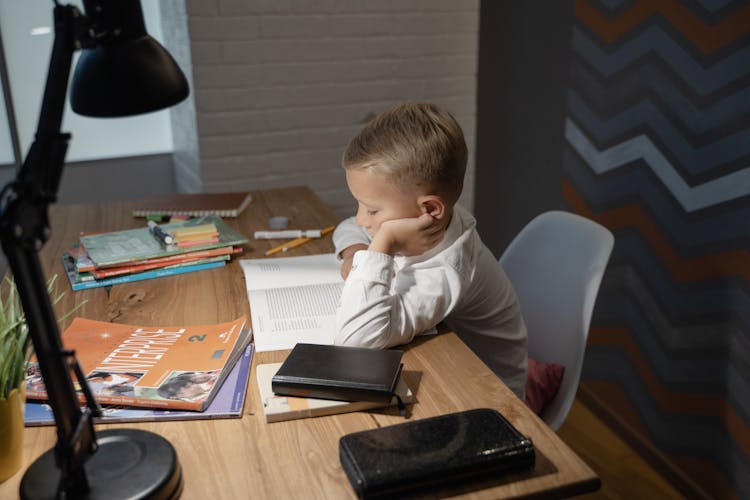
239 458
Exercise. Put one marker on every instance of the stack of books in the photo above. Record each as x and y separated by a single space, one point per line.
189 372
154 251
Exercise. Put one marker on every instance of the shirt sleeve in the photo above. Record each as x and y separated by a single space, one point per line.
376 313
348 233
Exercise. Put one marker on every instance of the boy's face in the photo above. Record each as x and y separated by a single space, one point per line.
379 200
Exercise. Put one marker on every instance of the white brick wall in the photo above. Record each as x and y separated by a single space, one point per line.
281 86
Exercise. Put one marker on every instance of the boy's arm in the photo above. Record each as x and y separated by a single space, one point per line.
411 236
371 314
348 238
347 258
348 233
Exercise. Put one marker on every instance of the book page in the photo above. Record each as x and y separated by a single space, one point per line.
293 299
262 274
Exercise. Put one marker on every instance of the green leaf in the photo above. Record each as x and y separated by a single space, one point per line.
15 342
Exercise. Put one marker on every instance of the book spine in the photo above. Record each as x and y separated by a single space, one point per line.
109 272
157 273
159 404
190 213
345 407
180 257
320 391
189 244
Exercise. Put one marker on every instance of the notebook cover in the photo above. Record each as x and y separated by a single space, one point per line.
221 204
339 372
432 453
278 408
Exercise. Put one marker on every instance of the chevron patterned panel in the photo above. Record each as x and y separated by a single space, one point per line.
658 150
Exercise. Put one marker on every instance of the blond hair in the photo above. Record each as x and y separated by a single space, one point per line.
416 143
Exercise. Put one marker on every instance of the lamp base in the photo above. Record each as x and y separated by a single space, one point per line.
129 463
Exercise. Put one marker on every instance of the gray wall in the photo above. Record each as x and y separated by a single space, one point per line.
110 179
523 68
281 87
278 89
117 179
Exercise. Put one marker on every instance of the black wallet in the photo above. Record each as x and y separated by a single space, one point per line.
339 372
433 452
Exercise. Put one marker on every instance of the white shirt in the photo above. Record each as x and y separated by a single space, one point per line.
388 300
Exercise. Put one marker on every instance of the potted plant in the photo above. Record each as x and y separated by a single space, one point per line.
15 351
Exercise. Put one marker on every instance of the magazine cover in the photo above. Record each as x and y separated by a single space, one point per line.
158 367
227 403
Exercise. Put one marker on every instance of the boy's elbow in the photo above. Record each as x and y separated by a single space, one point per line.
358 333
361 339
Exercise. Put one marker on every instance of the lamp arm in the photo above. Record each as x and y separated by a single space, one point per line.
24 228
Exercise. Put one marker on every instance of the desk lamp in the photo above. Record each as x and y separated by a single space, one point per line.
122 71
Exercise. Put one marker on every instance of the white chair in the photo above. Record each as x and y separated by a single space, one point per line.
556 265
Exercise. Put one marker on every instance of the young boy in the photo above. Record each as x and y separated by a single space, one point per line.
411 257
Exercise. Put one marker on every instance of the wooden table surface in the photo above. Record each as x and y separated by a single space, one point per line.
246 457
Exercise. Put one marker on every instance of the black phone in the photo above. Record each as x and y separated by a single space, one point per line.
433 452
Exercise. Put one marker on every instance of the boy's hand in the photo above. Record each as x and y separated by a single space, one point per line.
347 257
407 237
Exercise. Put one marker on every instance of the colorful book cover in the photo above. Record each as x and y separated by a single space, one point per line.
169 367
201 232
82 260
120 247
228 403
278 408
196 243
84 281
108 272
83 263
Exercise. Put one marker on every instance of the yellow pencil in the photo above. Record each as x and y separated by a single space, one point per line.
284 247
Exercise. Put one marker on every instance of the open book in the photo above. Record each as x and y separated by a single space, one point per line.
293 299
158 367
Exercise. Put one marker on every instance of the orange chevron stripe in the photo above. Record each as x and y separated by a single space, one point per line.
710 405
707 38
729 263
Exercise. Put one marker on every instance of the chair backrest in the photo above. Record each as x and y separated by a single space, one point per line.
556 265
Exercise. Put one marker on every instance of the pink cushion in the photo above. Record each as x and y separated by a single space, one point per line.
542 383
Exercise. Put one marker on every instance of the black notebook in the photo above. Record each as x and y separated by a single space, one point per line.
338 372
449 451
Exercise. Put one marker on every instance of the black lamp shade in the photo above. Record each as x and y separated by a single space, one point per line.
124 79
125 72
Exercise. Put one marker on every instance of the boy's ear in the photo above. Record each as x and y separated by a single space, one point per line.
433 205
